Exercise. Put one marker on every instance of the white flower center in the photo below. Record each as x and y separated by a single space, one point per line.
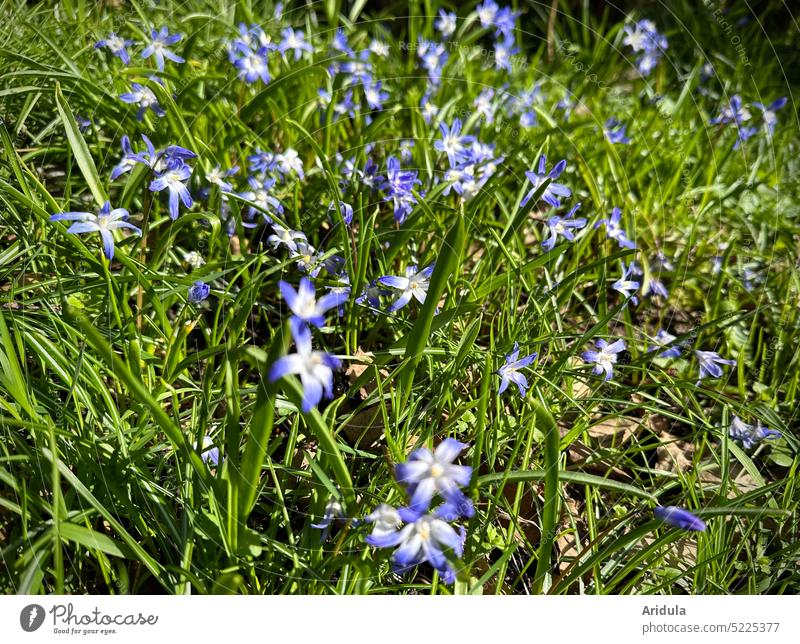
307 307
451 144
424 530
636 39
146 97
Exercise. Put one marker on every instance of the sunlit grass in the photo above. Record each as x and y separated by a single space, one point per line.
103 404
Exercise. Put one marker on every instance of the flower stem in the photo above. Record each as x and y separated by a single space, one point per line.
552 494
147 201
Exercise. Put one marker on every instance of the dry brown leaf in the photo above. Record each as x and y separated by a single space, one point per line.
365 429
613 431
356 369
673 455
739 481
681 554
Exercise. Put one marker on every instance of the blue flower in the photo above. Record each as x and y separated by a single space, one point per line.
159 46
104 222
83 123
345 208
370 176
566 104
400 184
643 37
554 191
375 95
768 113
626 286
345 107
487 12
371 295
615 131
145 99
160 160
128 161
117 46
149 156
445 24
315 369
252 64
358 71
425 538
605 358
259 195
563 226
209 452
342 289
333 510
304 304
385 520
662 339
340 43
414 284
379 48
427 473
251 37
485 107
434 57
155 160
261 162
614 230
655 287
453 143
737 113
710 362
294 41
288 163
406 150
503 52
505 20
307 258
750 435
198 292
509 372
172 179
679 518
334 264
219 177
285 237
429 110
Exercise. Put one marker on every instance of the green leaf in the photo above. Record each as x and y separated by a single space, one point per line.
568 477
92 540
329 447
121 370
446 264
151 564
79 148
260 430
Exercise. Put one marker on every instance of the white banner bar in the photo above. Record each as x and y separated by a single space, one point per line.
385 620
